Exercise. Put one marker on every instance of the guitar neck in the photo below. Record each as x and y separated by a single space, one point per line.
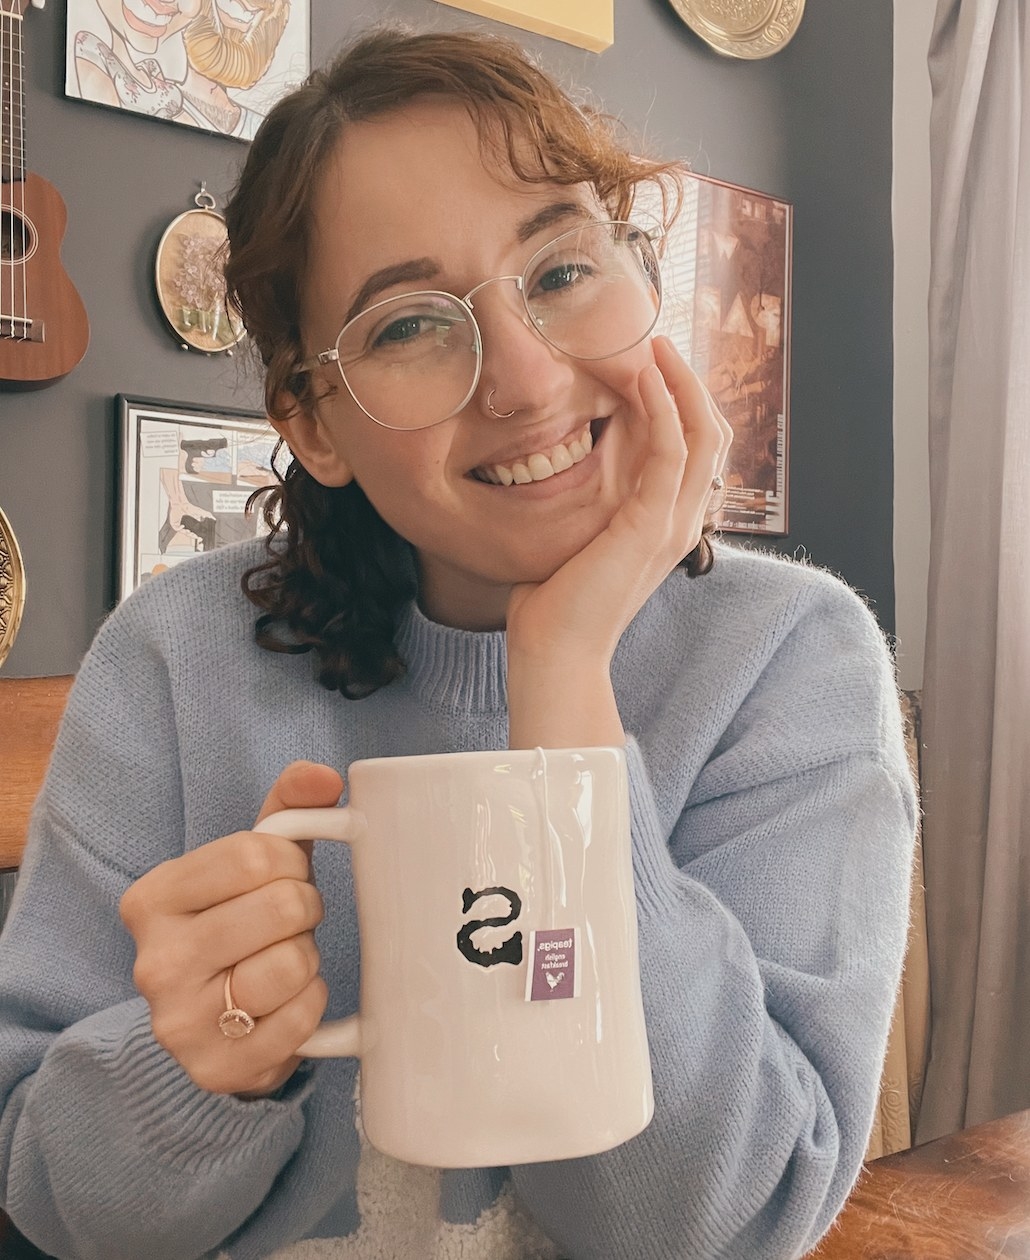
12 99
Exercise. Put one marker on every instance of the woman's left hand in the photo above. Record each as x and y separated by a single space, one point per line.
562 632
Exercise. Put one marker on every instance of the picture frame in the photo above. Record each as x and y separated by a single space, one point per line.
726 270
197 69
186 473
587 24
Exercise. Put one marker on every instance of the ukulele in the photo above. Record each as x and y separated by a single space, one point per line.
43 327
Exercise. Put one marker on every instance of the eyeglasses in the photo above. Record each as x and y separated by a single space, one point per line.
412 361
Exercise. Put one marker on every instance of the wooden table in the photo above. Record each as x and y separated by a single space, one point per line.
963 1197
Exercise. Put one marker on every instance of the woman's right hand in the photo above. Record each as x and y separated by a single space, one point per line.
245 901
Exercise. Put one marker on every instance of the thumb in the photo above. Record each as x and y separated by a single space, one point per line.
303 785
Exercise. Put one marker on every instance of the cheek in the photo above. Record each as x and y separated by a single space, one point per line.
621 375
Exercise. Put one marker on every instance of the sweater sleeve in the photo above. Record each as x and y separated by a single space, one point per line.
107 1148
772 914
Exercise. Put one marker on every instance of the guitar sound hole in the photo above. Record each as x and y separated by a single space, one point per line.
16 240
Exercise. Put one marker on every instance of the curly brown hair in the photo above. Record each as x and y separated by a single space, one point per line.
336 575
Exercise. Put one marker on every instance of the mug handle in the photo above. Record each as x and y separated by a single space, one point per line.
336 1037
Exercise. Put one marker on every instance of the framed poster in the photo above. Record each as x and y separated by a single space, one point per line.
585 23
218 65
726 271
186 474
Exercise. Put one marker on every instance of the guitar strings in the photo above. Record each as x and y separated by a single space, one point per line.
4 210
17 234
6 65
22 175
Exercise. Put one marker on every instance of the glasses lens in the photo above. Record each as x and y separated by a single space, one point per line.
594 292
410 361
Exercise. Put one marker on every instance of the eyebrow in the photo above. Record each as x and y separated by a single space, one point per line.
424 269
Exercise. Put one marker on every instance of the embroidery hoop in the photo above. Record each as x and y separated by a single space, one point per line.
189 283
12 587
750 29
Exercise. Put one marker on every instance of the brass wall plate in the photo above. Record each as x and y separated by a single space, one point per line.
750 29
12 586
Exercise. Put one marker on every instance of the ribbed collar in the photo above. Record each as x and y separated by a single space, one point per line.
457 671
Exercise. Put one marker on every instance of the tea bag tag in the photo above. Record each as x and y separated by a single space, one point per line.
552 974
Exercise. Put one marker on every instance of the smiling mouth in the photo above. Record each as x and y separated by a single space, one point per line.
541 465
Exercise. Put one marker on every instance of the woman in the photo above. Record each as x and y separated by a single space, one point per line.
486 524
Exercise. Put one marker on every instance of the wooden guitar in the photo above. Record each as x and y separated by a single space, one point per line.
43 327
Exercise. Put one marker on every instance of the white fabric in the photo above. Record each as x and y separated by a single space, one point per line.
976 757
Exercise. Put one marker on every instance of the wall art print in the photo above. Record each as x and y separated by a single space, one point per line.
218 65
726 274
585 23
186 474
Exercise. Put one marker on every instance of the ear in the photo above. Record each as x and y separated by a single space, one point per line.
306 436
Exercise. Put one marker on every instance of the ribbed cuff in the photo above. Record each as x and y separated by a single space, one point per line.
181 1124
655 874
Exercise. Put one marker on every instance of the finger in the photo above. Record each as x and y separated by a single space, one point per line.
222 936
228 867
706 432
303 785
273 976
699 410
251 1064
662 471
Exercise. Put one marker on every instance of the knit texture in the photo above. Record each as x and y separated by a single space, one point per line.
772 819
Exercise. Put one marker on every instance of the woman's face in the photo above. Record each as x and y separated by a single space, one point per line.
412 189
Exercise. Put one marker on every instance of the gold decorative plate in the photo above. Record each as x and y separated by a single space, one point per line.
742 28
12 586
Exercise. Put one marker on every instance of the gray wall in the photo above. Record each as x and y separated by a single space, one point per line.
811 125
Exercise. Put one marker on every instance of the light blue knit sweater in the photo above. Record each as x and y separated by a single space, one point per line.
773 819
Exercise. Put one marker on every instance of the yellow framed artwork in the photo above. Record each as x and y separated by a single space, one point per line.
585 23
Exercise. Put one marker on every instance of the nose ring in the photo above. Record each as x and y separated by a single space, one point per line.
501 415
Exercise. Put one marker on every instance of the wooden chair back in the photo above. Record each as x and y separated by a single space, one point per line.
30 710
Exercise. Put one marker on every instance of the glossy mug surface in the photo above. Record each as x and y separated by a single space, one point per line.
500 1016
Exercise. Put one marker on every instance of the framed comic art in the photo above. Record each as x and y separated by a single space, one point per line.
726 270
186 473
218 65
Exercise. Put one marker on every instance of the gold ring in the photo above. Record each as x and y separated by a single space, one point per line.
233 1021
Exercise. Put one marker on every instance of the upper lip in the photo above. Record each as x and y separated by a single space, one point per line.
541 441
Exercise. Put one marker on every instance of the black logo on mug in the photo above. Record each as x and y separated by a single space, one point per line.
510 951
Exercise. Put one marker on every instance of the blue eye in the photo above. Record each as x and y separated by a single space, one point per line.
404 329
563 276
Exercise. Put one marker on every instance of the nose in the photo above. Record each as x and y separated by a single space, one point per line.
522 371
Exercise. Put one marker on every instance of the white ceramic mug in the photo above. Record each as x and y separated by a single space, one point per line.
500 1016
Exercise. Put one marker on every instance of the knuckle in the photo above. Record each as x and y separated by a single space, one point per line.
290 966
148 974
255 859
288 906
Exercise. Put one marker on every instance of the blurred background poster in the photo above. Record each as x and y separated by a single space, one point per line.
726 271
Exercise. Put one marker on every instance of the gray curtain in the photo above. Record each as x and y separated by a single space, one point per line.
976 703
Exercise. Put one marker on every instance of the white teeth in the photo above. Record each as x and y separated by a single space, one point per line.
540 465
561 458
